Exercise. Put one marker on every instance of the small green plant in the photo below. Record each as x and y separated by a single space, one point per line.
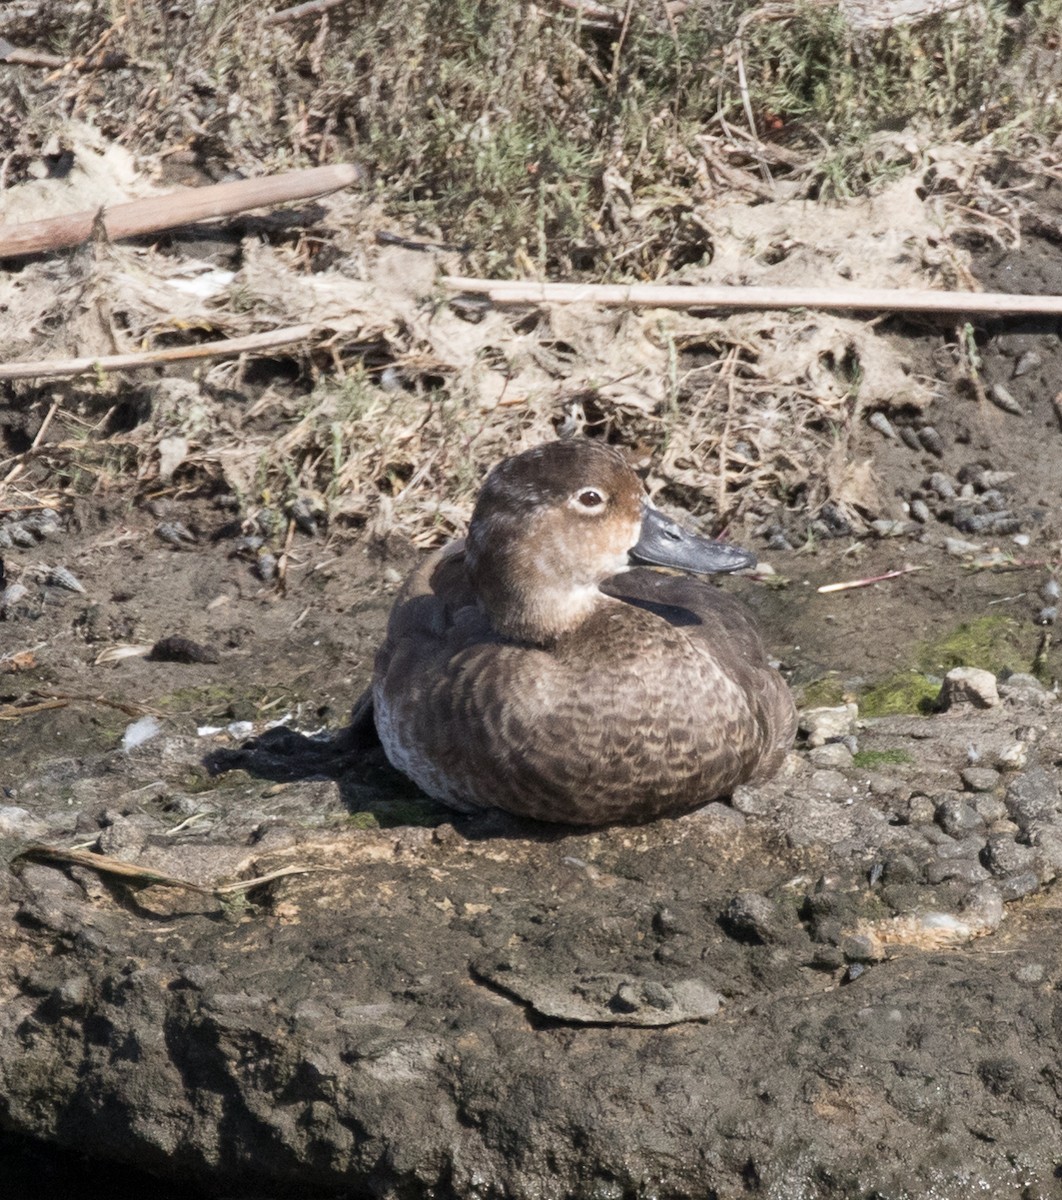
871 760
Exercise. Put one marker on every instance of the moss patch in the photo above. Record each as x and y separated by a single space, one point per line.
992 643
872 759
826 692
906 692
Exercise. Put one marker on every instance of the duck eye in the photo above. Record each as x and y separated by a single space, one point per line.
590 498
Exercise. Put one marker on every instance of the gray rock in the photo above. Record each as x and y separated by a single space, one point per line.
1005 857
969 685
828 724
956 817
979 779
833 754
1032 796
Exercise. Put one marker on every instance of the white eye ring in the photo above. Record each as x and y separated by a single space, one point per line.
590 499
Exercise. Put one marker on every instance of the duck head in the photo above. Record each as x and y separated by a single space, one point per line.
551 524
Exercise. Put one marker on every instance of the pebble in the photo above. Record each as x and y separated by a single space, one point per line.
920 511
969 685
1004 857
1027 362
1016 887
1031 973
1032 796
956 817
18 822
957 548
909 438
751 916
833 754
823 725
1050 590
888 529
182 650
965 870
990 808
979 779
920 810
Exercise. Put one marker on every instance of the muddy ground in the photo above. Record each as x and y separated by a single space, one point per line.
844 983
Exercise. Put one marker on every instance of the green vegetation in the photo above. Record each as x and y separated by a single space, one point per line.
826 692
872 759
905 692
992 643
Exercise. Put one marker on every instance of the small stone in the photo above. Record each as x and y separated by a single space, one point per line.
983 907
965 870
1017 887
833 754
990 808
1031 973
956 817
1013 757
1048 846
1032 796
931 441
824 725
1004 857
920 511
969 685
751 917
18 822
920 810
182 650
979 779
901 868
1027 362
858 948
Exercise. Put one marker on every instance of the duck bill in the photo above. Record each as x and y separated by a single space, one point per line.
663 543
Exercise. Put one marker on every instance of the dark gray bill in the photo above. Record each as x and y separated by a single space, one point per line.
665 544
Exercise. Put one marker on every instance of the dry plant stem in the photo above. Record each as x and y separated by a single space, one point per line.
311 9
29 58
861 583
61 368
104 864
651 295
156 213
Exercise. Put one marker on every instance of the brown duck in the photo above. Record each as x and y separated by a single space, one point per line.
534 667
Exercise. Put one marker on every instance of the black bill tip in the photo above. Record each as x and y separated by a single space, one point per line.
663 543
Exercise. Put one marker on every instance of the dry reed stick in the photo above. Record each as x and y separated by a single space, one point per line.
155 213
60 368
651 295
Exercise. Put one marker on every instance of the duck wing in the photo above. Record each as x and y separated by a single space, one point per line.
727 631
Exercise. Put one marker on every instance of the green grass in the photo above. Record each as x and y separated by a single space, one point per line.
873 759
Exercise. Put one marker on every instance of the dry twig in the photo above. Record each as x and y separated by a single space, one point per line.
651 295
155 213
60 368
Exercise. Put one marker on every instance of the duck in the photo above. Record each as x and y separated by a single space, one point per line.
570 661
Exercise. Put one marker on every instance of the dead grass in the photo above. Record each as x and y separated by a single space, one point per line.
546 143
649 148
